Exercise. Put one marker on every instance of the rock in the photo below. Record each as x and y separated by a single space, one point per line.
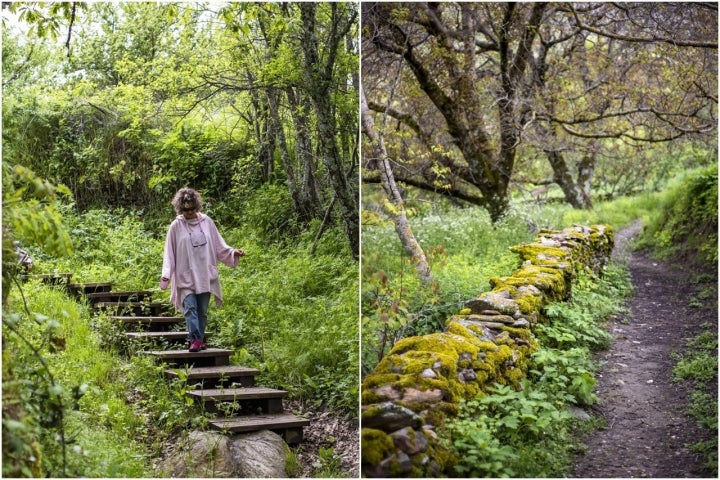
389 417
410 441
428 373
429 432
404 462
465 357
491 318
497 301
259 455
468 374
522 322
413 395
388 392
493 325
578 412
209 454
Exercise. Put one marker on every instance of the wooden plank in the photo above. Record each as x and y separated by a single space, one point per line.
85 288
251 423
182 354
176 336
236 394
119 296
131 304
199 373
149 319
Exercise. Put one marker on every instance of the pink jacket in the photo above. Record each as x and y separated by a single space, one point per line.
193 269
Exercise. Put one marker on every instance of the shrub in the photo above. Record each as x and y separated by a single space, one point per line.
687 224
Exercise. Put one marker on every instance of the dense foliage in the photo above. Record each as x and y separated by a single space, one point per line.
107 110
688 223
226 98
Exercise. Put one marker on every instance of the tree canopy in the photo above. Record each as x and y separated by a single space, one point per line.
125 103
477 88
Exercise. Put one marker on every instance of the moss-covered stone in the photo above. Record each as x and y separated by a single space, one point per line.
490 341
376 445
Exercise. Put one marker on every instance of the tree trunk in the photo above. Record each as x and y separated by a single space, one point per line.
318 79
382 165
292 184
299 110
263 133
574 194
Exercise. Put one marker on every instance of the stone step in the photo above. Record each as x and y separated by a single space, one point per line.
151 324
286 424
244 400
134 308
110 297
212 357
211 377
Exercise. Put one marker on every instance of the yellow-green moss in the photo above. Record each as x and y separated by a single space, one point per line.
530 251
378 378
437 342
530 303
376 446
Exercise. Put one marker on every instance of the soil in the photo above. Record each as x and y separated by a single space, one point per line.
647 432
327 430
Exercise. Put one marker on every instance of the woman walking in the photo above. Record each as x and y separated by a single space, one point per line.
192 249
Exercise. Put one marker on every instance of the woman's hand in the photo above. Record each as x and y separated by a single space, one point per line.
239 252
164 281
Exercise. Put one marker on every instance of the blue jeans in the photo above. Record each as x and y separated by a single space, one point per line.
195 307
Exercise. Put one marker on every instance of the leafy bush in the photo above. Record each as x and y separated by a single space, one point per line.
511 434
575 322
688 223
699 365
295 317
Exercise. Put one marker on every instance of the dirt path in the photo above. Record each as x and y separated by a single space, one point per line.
647 432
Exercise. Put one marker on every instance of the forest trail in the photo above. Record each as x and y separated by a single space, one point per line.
647 433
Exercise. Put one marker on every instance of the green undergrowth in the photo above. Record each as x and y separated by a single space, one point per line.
686 223
464 250
60 386
697 366
291 314
531 432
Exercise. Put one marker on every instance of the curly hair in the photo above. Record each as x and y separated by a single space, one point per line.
187 199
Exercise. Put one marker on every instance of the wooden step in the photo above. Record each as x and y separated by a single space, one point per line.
252 400
169 336
134 308
286 424
212 357
109 297
150 324
215 376
85 288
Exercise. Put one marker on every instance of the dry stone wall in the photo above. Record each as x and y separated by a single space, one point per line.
422 379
